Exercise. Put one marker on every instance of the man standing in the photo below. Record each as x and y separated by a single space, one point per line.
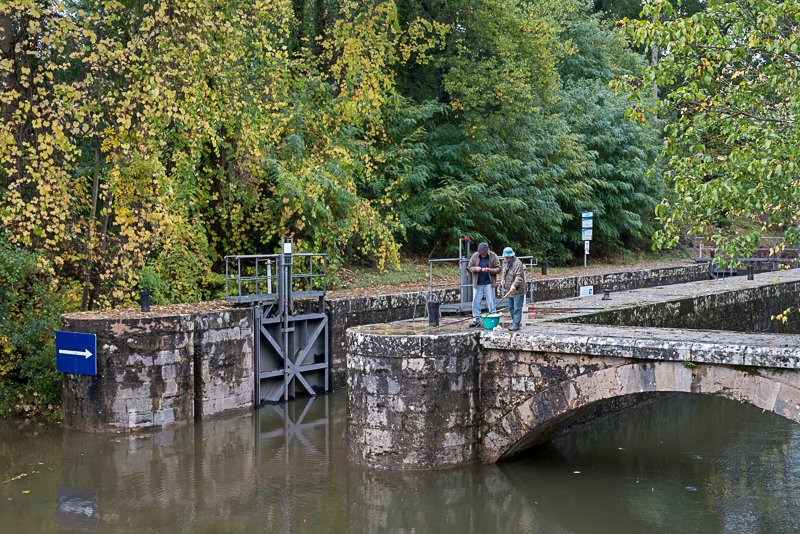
513 282
484 266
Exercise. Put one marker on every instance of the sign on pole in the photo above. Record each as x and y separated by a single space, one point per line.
587 222
76 352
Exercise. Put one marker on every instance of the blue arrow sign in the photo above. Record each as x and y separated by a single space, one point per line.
76 352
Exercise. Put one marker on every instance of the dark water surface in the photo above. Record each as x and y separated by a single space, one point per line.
686 464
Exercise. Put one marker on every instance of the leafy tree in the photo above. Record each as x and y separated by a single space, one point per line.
31 303
620 151
731 153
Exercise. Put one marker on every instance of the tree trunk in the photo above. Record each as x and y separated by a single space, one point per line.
92 231
654 61
8 81
299 9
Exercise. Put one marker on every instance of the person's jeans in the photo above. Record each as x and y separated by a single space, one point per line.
515 309
478 293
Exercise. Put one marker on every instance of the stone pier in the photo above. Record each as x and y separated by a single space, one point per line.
172 365
413 395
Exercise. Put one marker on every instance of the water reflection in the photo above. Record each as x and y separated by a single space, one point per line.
681 464
77 510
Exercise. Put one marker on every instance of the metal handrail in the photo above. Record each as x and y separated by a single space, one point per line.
240 270
700 240
532 261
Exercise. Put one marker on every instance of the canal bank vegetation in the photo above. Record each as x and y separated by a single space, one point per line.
141 141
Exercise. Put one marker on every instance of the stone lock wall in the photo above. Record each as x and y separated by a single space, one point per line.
179 363
564 288
739 309
160 368
412 399
344 313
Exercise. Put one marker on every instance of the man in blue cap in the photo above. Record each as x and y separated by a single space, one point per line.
512 280
484 266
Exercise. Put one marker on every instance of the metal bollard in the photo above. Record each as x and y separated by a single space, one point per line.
606 295
544 269
749 272
144 299
433 313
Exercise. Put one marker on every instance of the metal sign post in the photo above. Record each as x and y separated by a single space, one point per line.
587 221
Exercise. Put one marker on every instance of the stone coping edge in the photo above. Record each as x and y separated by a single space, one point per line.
649 348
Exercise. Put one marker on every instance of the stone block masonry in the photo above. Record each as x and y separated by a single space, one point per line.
346 312
159 369
183 362
412 397
572 360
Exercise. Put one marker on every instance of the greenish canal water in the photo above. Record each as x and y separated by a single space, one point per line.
685 464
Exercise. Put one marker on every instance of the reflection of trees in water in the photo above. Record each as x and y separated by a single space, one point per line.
284 468
683 463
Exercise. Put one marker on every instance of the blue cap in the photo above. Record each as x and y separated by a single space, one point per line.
508 252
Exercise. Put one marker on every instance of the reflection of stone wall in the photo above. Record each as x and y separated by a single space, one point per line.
431 502
144 481
159 369
412 399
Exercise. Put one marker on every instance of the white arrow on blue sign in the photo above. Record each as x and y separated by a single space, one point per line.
76 352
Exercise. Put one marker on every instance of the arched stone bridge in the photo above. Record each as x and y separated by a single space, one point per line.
423 398
529 396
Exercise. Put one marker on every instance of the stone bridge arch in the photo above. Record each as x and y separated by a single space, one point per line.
542 414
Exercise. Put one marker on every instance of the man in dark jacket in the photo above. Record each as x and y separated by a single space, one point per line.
484 266
513 283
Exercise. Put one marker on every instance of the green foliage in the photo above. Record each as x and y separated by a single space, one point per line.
31 303
732 77
525 134
620 152
141 142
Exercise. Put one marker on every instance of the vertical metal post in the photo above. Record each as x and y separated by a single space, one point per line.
269 276
286 257
464 274
239 274
257 291
257 356
430 278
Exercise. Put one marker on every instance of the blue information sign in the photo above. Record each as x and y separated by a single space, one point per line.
76 352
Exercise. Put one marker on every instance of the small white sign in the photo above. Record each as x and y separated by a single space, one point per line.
586 234
586 247
586 223
585 291
287 247
587 214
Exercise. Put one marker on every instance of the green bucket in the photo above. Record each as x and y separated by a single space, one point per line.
490 320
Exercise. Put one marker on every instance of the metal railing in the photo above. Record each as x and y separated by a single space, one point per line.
257 277
768 245
464 285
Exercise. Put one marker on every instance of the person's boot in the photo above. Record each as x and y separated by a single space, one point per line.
513 328
475 322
